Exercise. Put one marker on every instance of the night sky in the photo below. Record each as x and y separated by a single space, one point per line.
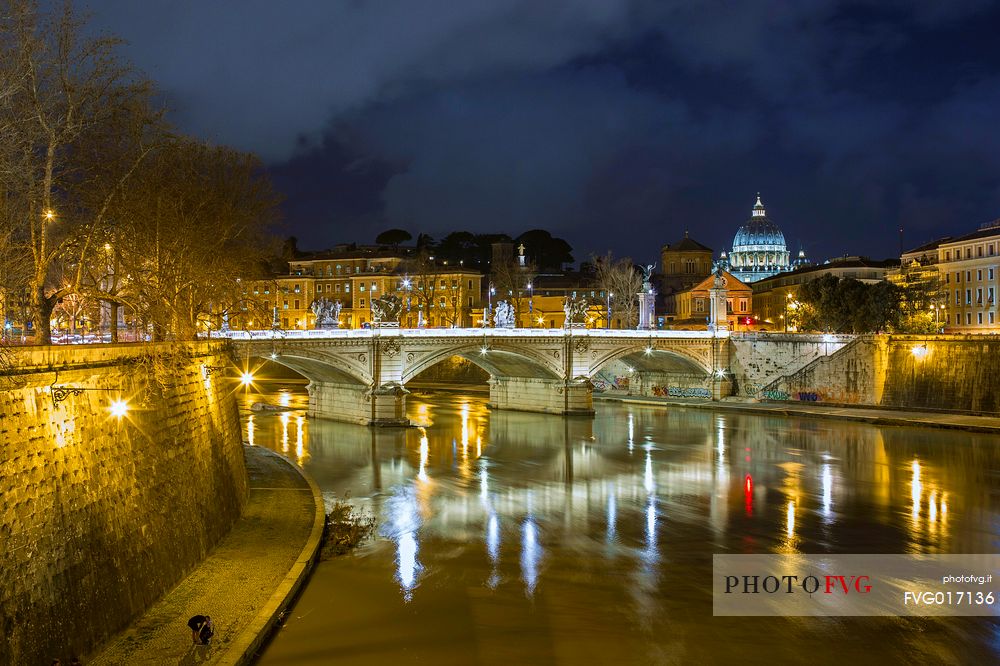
616 125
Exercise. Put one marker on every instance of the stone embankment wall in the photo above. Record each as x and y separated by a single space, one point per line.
949 372
758 359
100 515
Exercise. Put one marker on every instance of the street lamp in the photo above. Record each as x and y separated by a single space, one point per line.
531 303
611 295
489 306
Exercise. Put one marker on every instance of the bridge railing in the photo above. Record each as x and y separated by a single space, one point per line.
319 334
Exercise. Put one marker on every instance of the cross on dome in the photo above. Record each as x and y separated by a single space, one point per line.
758 208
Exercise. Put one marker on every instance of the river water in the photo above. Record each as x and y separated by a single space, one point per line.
515 538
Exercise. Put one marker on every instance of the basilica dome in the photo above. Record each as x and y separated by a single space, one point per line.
759 249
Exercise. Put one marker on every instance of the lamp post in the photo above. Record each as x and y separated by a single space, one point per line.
531 303
611 295
489 306
784 314
406 286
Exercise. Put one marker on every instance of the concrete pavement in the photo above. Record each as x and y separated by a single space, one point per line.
873 415
244 583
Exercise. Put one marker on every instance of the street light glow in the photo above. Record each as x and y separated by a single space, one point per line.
49 215
246 378
118 408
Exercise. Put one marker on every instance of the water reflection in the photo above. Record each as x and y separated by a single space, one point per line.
596 526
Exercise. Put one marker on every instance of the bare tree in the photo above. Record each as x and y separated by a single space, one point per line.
68 99
195 234
511 281
620 277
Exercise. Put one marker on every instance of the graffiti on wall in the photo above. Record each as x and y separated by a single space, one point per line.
619 383
681 392
775 395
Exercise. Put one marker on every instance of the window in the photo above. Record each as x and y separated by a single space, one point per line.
989 295
347 288
443 284
968 253
958 277
374 286
338 288
947 278
979 317
989 250
979 296
958 298
968 276
338 269
979 253
958 319
991 318
296 304
361 286
297 289
947 255
470 285
284 305
357 269
743 305
979 274
470 301
362 302
968 318
989 274
968 297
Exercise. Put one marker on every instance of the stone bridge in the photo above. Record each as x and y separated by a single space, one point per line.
360 375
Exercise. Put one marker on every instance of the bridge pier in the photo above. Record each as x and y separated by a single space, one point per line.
548 396
383 406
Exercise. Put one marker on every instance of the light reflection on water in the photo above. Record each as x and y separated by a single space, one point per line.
545 514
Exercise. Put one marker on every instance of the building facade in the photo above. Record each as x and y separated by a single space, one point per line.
969 269
694 306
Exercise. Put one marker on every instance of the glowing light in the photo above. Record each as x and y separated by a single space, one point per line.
246 378
531 553
493 538
118 408
932 509
299 441
273 356
647 480
916 488
284 432
651 524
790 519
827 478
649 350
49 215
612 516
284 398
920 351
424 455
250 430
483 350
541 320
484 484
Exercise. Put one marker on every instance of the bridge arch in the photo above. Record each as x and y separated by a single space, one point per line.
667 360
314 365
499 360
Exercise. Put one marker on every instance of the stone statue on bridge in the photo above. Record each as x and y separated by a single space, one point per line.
327 313
386 310
503 316
575 309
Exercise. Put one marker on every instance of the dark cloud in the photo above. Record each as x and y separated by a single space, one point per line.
615 124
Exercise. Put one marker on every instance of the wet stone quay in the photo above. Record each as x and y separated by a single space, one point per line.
506 537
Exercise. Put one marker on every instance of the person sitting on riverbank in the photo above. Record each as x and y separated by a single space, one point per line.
201 629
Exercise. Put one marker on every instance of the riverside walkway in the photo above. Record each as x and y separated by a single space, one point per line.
873 415
244 583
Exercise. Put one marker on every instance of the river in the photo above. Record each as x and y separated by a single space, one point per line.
515 538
